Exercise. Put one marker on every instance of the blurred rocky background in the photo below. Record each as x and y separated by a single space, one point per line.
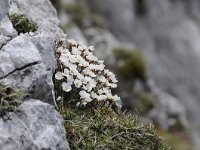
154 48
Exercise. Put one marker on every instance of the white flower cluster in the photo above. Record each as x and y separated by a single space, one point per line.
80 69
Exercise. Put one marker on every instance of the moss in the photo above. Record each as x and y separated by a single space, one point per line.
144 102
97 20
22 24
131 63
140 7
9 99
78 12
106 129
81 13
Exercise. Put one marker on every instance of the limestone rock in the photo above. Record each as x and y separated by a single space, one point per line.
34 125
28 60
16 54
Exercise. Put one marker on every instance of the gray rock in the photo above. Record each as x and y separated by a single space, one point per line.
6 29
4 9
168 110
28 60
18 53
65 20
34 125
75 33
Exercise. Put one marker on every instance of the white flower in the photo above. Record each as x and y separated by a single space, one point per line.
63 35
86 53
75 51
78 104
80 48
101 67
91 48
109 95
63 51
94 95
87 71
100 91
85 96
106 72
63 59
91 84
77 83
81 61
66 72
72 59
73 69
102 97
92 66
116 98
86 79
66 87
101 61
59 98
110 76
70 80
106 90
82 70
113 85
72 42
59 76
84 103
113 78
91 57
102 79
60 49
80 76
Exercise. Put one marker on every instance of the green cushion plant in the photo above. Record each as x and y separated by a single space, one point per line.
22 24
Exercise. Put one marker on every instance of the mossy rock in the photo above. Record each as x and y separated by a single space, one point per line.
104 128
77 11
144 102
131 63
97 21
80 12
22 24
141 8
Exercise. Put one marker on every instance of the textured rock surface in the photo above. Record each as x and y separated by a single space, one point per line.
168 111
18 53
6 29
28 60
34 125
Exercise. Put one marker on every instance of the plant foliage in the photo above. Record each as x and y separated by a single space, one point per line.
105 129
9 99
22 24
